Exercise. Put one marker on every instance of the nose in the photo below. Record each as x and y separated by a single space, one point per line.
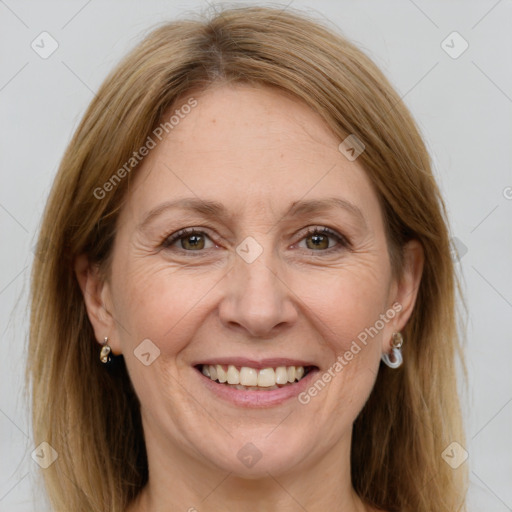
257 299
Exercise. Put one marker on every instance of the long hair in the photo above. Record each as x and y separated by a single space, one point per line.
91 416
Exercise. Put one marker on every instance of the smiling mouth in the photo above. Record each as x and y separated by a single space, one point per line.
252 379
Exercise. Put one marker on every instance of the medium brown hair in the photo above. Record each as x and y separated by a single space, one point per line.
91 416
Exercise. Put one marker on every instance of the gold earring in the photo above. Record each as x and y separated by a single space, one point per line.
106 352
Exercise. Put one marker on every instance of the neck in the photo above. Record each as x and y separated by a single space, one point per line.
181 481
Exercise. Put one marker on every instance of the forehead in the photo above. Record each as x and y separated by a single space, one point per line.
254 150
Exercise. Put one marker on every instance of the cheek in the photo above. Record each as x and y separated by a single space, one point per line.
348 322
345 302
162 303
350 316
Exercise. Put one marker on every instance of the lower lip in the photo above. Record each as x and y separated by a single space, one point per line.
256 399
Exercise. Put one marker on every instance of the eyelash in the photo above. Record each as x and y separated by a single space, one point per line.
186 232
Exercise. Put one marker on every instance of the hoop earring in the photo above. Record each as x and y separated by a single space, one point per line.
106 352
396 358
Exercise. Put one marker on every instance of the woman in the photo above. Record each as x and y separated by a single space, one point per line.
247 300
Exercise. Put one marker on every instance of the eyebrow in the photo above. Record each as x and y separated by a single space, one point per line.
214 209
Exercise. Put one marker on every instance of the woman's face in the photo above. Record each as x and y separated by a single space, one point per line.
249 171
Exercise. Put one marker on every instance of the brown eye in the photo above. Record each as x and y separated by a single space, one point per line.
192 242
317 241
189 240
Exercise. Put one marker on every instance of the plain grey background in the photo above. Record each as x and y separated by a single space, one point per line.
462 101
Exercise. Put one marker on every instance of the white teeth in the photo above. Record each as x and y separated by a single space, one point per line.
248 376
250 388
233 375
281 375
253 379
222 375
266 377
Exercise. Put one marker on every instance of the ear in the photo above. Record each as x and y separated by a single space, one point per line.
405 290
97 298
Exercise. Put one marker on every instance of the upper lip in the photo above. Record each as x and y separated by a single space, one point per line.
273 362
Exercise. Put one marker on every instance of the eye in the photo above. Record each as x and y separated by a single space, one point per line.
318 239
190 239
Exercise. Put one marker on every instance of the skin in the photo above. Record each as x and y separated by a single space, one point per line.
255 150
